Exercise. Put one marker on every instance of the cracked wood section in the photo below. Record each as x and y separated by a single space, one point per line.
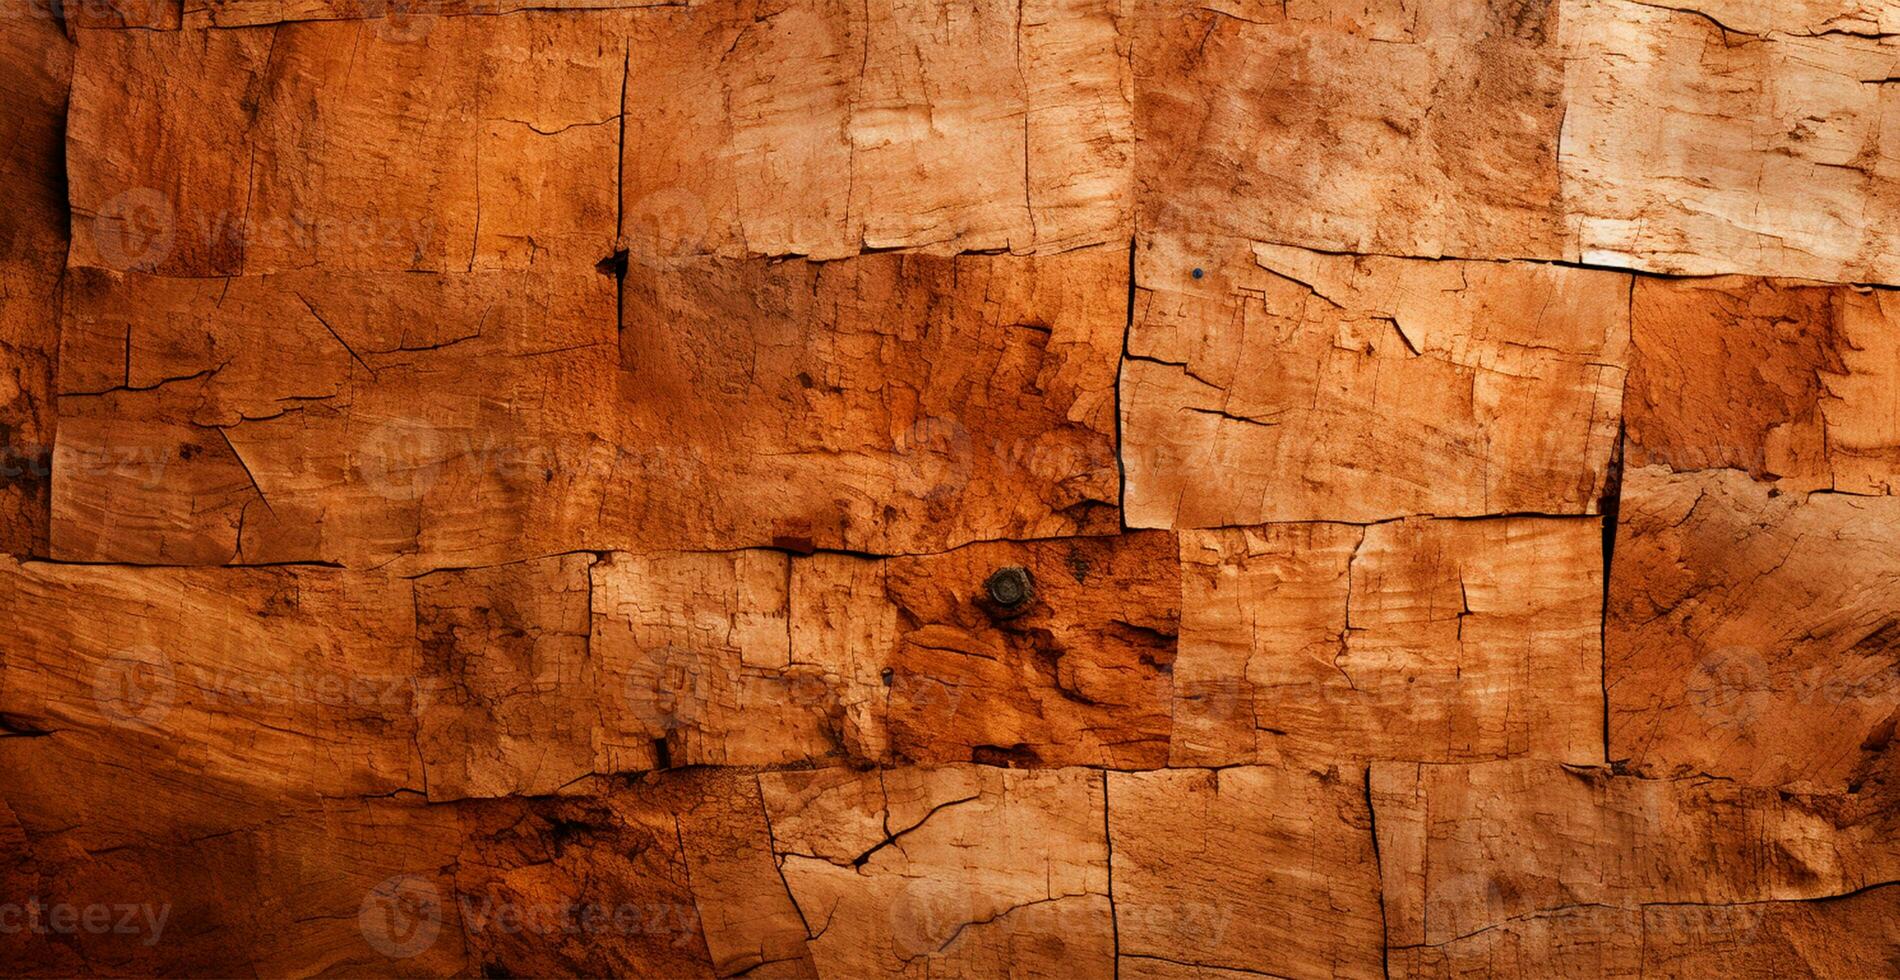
156 15
930 669
754 658
672 874
1548 867
290 681
507 687
1852 935
525 678
825 128
1691 148
961 870
445 420
599 884
1868 18
526 474
693 653
888 403
247 882
1427 640
1413 127
365 166
1286 385
35 72
1792 381
1263 870
403 21
1753 634
1720 137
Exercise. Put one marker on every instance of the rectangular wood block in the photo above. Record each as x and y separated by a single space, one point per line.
1427 640
1286 385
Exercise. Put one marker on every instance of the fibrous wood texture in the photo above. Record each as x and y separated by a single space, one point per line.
1056 488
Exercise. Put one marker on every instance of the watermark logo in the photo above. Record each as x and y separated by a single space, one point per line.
401 21
135 230
1729 687
1205 922
488 916
401 917
669 689
928 914
136 687
38 918
401 459
934 459
667 225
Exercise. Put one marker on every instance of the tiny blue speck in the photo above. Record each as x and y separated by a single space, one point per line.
1198 273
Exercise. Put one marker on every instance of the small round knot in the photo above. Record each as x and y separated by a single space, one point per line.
1198 273
1009 586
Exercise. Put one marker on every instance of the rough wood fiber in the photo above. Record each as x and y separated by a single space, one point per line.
963 870
1329 387
1733 648
1438 641
826 128
1803 391
1398 127
1256 869
1759 153
1541 869
35 74
1060 488
463 418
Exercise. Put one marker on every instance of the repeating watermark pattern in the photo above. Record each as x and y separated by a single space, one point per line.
669 690
928 913
34 917
136 687
127 466
665 226
1729 687
135 231
938 456
140 228
1207 922
401 459
242 233
140 686
402 21
488 916
1735 687
402 917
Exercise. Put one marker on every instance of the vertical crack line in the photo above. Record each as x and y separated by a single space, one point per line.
243 230
620 162
600 721
1378 868
1108 842
1029 105
247 470
1609 506
620 249
686 867
778 863
475 240
1121 366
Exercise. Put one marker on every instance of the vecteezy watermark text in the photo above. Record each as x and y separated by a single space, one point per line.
94 919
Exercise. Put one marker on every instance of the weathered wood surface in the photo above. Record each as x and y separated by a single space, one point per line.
1070 488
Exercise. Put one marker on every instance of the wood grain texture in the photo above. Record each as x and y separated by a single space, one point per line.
1328 387
857 488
